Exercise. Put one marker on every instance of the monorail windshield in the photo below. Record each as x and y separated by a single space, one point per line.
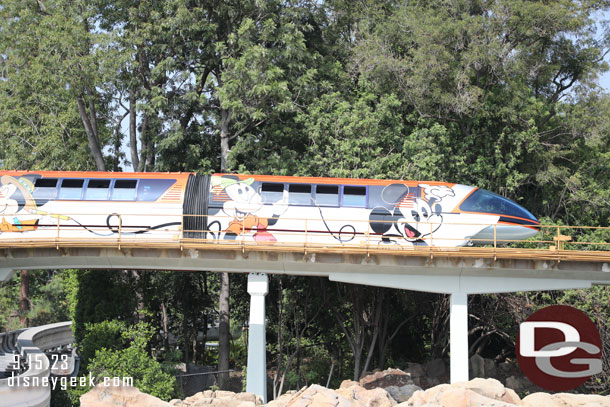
487 202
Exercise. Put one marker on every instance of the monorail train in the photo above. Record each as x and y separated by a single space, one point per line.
256 208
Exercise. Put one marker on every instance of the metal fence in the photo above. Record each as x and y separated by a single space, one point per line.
191 383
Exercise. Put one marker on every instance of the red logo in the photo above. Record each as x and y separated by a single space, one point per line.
559 348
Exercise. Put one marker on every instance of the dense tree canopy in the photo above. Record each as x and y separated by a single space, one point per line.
498 94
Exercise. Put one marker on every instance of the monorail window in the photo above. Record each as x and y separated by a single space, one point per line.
97 190
327 195
71 189
124 190
299 194
272 192
152 189
488 202
354 196
45 188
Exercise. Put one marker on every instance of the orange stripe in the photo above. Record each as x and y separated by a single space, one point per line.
326 180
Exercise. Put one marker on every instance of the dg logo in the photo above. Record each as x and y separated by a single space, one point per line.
559 348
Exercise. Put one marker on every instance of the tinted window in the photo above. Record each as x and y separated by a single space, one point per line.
71 189
124 190
152 189
354 196
272 192
299 194
488 202
97 189
327 195
45 188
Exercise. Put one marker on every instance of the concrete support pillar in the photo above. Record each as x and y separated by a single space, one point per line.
6 274
256 380
458 337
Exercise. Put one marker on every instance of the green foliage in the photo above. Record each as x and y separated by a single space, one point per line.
101 295
102 335
134 361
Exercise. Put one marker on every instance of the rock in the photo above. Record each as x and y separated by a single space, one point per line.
282 400
318 396
477 392
415 370
489 368
516 383
402 394
493 389
177 403
476 366
223 394
247 397
362 397
566 400
383 379
119 396
348 383
435 368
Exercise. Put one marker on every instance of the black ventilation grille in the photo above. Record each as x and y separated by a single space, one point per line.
196 203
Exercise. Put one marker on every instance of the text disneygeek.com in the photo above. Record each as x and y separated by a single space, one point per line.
64 382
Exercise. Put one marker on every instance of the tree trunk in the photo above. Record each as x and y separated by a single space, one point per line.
225 116
133 140
90 123
223 308
144 142
24 301
224 328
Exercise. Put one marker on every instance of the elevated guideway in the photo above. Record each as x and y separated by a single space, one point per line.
551 264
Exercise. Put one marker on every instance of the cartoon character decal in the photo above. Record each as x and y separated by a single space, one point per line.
405 214
250 215
17 205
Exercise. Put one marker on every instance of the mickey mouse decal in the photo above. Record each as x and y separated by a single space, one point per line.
246 207
406 215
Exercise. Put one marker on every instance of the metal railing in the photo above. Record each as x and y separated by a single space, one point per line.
122 231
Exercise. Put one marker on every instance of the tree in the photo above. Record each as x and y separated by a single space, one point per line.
49 91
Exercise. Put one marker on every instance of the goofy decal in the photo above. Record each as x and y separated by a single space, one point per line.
17 205
250 216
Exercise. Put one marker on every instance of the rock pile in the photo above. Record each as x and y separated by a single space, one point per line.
119 396
391 388
219 398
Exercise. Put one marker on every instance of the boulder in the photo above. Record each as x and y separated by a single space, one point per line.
362 397
477 392
403 393
491 388
476 366
282 400
565 400
318 396
385 378
435 368
348 383
415 369
489 367
119 396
